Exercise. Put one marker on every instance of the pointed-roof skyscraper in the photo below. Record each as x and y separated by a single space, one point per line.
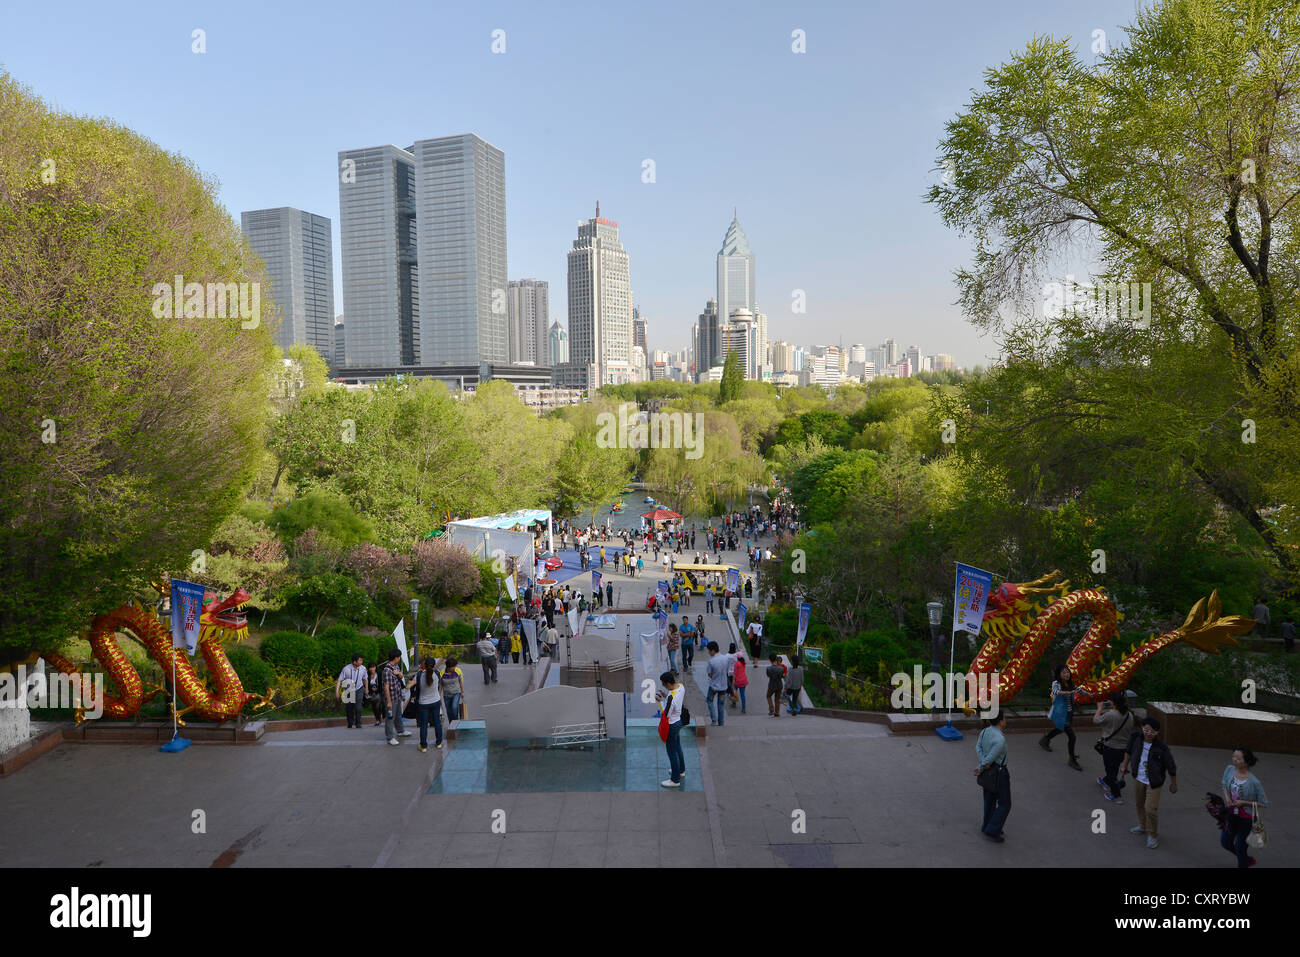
735 273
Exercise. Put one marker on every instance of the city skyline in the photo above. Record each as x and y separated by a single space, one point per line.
824 151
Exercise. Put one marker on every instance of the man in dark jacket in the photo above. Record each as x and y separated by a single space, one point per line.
1152 760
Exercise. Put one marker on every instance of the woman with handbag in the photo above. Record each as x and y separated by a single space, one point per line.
427 699
452 681
1062 714
1243 796
1117 721
993 776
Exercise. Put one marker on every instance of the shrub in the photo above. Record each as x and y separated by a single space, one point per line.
255 674
445 572
292 652
330 514
338 643
460 633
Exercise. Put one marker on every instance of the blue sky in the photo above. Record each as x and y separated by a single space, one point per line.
827 154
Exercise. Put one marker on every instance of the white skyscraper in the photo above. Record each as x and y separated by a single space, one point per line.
600 302
558 349
857 352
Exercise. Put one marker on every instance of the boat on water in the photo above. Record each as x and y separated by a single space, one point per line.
617 508
648 500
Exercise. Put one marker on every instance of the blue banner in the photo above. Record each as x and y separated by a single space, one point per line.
663 588
805 613
740 615
733 579
595 582
187 609
970 596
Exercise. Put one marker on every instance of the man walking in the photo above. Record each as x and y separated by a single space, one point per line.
487 656
688 643
1288 634
394 686
708 599
609 594
351 686
1153 760
717 693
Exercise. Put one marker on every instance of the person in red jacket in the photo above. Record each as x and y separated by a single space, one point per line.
742 680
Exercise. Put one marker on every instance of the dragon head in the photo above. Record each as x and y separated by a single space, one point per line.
226 616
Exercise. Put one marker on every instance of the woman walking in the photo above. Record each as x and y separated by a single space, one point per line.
428 700
742 680
674 643
1063 692
991 751
1117 722
1243 795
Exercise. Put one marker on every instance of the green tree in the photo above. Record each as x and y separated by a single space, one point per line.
1197 203
126 436
733 380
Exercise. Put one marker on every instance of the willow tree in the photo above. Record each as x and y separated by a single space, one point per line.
1170 160
126 436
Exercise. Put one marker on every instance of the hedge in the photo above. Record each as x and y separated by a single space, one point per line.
292 652
254 674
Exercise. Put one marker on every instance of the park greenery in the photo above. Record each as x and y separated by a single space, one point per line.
1153 459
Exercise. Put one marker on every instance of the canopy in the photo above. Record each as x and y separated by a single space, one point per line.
525 516
661 515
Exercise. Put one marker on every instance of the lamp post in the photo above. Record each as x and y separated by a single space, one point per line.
415 625
935 610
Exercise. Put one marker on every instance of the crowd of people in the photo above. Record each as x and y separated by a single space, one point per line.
1129 746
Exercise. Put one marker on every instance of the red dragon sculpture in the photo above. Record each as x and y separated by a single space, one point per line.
1013 617
220 619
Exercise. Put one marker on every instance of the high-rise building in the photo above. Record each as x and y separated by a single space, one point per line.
782 357
377 233
558 348
600 301
800 355
340 355
857 352
460 206
299 255
913 357
735 272
528 310
891 352
708 342
639 329
943 362
738 336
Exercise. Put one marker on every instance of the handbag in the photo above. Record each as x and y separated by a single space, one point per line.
1258 837
988 778
1060 709
411 710
663 723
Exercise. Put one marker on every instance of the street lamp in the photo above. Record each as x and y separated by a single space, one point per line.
415 625
935 610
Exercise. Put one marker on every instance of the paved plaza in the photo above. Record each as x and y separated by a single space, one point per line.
760 791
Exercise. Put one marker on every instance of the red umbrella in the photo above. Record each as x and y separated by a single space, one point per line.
661 515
